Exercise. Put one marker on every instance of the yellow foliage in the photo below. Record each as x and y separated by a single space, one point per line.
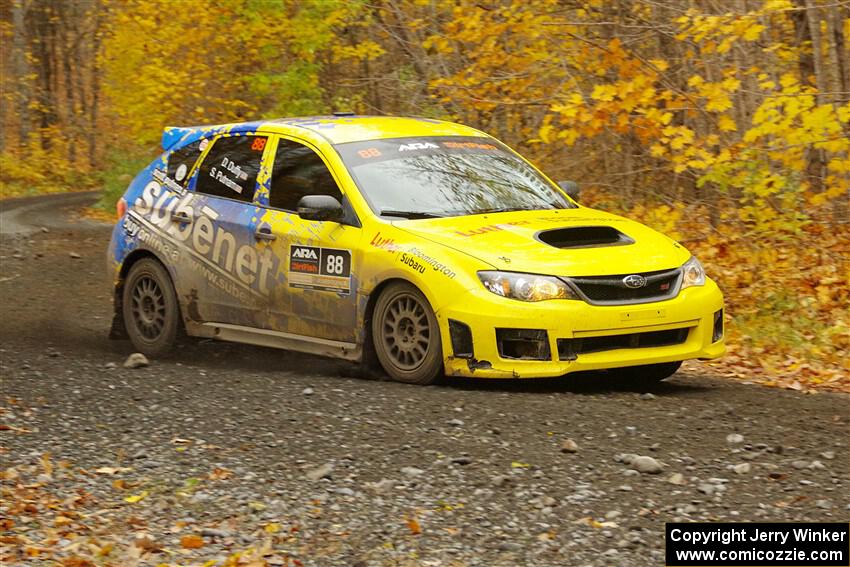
35 169
237 59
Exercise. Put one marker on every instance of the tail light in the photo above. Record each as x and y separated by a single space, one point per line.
121 207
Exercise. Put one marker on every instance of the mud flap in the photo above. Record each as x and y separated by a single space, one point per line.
118 332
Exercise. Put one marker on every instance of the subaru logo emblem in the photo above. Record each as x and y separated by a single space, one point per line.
634 281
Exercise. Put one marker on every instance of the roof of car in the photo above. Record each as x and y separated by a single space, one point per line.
355 128
335 129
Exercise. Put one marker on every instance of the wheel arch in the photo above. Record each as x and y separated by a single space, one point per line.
119 329
369 310
368 345
370 358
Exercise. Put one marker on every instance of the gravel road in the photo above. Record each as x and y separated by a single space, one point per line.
289 455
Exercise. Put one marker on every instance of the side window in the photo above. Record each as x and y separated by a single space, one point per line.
180 161
299 171
231 166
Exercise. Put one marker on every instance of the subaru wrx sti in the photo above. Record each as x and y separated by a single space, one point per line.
423 246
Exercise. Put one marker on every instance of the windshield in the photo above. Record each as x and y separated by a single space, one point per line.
446 176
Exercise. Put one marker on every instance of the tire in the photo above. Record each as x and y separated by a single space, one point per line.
151 311
648 374
406 335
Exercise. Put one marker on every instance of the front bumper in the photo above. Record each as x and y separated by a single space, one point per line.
680 328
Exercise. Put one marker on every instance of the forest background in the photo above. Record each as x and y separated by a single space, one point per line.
722 123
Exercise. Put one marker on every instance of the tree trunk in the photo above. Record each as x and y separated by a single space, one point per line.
98 18
43 53
817 164
841 81
806 63
813 15
840 58
69 48
20 70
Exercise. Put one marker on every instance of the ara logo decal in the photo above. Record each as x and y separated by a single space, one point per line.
418 146
304 253
321 269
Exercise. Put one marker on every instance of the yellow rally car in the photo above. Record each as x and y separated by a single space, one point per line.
425 246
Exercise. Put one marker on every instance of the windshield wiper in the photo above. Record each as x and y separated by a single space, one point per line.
515 209
410 214
499 210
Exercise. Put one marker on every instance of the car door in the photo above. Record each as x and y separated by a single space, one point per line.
223 276
315 294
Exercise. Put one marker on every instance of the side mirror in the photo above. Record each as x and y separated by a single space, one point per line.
320 208
570 188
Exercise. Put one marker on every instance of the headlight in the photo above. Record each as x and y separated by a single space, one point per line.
526 287
692 273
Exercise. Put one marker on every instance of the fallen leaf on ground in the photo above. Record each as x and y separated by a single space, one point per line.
77 562
191 541
4 427
219 473
112 470
136 497
415 527
272 528
47 464
146 543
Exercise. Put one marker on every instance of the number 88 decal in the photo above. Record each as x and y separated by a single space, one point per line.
335 264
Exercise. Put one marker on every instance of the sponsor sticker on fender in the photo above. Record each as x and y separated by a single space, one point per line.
322 269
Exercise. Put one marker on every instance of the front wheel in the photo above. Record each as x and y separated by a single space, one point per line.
151 312
406 335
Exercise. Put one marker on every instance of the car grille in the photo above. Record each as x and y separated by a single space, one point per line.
569 349
660 285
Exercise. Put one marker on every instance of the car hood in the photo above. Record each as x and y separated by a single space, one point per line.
566 242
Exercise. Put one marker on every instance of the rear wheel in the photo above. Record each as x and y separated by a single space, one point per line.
406 335
151 312
648 374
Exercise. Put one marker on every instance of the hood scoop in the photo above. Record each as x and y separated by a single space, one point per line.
583 237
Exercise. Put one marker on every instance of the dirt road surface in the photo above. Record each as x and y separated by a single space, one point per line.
226 440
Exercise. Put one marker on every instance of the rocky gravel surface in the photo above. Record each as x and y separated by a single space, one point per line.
286 459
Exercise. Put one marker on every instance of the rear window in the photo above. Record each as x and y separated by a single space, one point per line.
181 161
231 166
